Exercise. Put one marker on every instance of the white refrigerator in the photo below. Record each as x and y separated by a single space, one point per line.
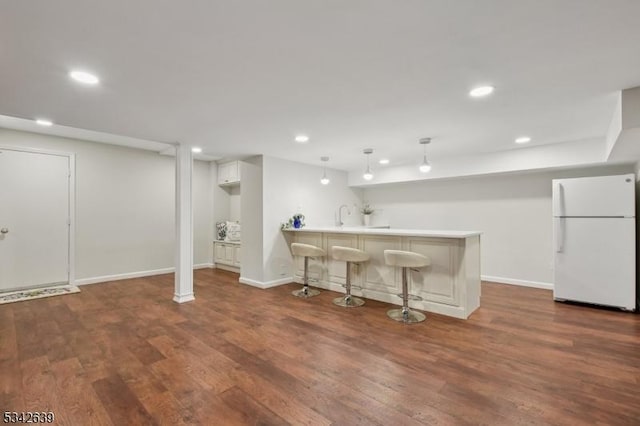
595 240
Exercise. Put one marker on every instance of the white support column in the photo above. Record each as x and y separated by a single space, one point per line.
184 225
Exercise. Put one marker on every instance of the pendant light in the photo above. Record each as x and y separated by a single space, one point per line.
368 175
325 180
425 167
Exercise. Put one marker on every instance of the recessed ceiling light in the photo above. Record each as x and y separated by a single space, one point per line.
302 138
523 139
44 122
481 91
196 149
384 161
84 77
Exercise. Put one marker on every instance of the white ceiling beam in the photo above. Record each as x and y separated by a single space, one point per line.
623 138
16 123
552 156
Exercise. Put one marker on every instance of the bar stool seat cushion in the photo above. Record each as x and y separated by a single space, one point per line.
349 254
306 250
405 259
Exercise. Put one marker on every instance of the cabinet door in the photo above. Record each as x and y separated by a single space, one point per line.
440 281
316 266
376 275
228 254
236 259
233 172
228 173
337 269
219 253
223 173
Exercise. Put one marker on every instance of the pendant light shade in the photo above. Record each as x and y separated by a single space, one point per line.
368 174
425 166
324 180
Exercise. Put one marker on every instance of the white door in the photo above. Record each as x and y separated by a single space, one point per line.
34 219
602 196
595 261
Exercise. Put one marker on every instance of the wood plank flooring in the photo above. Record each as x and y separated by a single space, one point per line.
124 353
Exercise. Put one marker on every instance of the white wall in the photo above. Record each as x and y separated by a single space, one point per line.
234 203
513 212
227 200
637 172
125 206
220 197
291 187
251 218
203 203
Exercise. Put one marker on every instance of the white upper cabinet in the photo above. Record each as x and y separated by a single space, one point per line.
229 173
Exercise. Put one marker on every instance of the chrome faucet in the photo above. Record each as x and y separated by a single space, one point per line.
340 222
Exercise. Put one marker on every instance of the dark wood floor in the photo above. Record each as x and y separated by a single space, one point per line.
124 353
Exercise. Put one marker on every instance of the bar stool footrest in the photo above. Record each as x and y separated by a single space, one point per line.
414 297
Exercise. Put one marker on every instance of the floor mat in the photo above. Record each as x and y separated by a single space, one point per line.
37 293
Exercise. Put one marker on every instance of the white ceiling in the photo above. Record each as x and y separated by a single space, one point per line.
243 77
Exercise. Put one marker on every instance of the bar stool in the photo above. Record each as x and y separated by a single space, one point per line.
406 260
349 255
307 251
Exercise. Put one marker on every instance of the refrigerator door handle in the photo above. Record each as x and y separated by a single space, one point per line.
558 200
559 233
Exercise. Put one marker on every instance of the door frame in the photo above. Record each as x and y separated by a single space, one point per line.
72 200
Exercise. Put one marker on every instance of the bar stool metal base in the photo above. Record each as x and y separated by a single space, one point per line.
305 292
348 301
407 316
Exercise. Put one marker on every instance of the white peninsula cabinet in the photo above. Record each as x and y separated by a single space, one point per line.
449 286
226 255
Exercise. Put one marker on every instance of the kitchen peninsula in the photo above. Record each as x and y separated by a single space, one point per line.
449 286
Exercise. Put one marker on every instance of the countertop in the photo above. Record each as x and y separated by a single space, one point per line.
387 231
226 242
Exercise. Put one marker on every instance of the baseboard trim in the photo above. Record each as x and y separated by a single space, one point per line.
522 283
183 298
227 268
267 284
138 274
435 307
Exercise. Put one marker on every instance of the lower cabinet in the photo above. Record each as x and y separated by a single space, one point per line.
226 255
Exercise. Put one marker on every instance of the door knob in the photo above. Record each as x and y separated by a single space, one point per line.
4 230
